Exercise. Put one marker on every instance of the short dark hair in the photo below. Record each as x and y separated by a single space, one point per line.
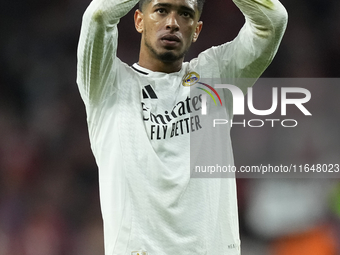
200 4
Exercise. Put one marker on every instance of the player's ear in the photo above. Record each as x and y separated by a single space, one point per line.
197 31
138 21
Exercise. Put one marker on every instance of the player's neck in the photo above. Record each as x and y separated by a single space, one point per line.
157 65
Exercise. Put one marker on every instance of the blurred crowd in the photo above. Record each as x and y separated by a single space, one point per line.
49 202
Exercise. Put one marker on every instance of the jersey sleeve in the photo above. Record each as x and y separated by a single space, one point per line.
250 53
98 65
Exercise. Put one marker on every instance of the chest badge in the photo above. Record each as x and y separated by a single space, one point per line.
190 79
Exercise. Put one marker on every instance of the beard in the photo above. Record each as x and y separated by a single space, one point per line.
166 57
169 57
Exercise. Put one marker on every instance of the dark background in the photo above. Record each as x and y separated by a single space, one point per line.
48 178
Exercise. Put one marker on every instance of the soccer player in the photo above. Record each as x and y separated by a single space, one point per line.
140 119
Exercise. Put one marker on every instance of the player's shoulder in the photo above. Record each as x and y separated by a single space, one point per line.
124 71
208 57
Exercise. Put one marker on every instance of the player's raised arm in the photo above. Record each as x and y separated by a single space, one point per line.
97 47
250 53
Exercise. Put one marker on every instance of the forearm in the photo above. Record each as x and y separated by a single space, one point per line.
265 18
98 45
108 12
250 53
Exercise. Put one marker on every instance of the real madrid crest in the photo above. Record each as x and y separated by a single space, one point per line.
190 79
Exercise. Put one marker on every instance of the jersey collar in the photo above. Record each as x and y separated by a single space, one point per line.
136 67
140 69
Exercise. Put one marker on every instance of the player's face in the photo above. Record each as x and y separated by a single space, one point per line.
168 28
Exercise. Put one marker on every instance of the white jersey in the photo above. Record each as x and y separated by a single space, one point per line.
140 123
